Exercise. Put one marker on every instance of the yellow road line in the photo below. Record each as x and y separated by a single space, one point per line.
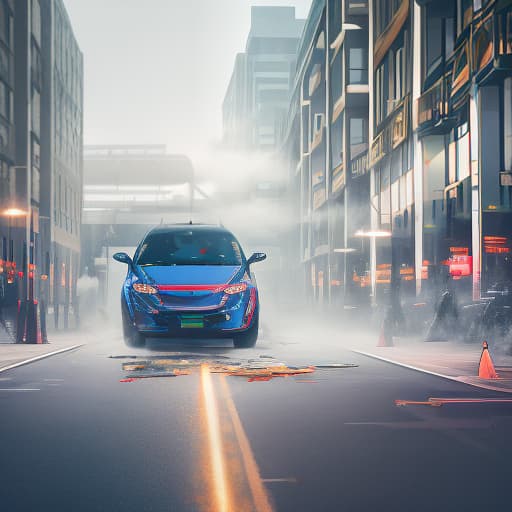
215 443
258 491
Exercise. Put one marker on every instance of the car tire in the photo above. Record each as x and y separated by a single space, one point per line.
249 337
132 337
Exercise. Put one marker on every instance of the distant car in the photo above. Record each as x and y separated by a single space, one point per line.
190 281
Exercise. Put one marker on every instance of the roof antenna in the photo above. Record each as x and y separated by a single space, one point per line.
161 221
221 224
190 222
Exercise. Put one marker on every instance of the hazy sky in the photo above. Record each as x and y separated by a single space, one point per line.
156 71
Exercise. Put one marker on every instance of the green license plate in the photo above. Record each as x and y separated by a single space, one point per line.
192 322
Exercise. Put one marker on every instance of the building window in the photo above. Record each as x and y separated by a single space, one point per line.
36 21
433 50
483 46
36 112
399 74
358 137
337 142
385 206
5 23
5 101
452 162
463 164
379 94
335 15
464 14
358 66
460 69
449 40
337 77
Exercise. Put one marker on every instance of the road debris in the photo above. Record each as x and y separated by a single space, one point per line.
255 370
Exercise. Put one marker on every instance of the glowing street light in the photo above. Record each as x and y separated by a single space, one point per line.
345 250
373 234
14 212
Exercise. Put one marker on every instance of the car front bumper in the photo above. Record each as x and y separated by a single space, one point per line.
224 322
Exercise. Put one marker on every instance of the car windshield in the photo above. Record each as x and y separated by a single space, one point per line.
189 247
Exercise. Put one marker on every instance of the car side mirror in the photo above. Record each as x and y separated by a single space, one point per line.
122 257
257 256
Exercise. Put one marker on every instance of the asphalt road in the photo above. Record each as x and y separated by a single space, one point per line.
75 438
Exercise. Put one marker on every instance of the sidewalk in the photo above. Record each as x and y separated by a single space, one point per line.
451 360
13 355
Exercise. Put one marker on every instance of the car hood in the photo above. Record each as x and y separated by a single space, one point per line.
190 274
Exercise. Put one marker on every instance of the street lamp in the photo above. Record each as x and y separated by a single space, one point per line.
11 213
14 212
373 235
28 215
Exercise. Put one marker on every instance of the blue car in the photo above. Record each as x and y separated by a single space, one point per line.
190 281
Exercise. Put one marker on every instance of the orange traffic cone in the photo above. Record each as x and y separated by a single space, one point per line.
486 368
385 338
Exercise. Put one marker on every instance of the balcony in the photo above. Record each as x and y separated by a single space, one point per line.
492 47
432 110
393 132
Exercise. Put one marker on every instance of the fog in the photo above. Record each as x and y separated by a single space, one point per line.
157 71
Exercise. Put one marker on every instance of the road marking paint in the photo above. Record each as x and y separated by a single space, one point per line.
19 389
438 402
258 491
38 358
398 363
215 442
462 379
53 380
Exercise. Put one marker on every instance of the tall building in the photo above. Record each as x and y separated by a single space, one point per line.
398 139
463 121
41 81
326 142
63 157
391 156
258 93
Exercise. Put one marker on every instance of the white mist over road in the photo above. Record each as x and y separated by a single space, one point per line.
157 71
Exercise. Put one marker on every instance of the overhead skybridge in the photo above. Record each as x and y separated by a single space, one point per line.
127 190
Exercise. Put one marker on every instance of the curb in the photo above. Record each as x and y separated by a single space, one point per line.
38 358
460 380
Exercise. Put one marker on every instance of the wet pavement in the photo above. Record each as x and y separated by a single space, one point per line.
297 423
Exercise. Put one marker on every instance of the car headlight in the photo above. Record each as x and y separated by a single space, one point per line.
145 288
235 288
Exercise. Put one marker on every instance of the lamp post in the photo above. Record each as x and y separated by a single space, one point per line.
373 235
29 270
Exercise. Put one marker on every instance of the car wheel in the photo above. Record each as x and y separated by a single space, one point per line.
249 337
132 337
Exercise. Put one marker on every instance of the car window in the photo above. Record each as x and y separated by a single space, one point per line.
190 247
